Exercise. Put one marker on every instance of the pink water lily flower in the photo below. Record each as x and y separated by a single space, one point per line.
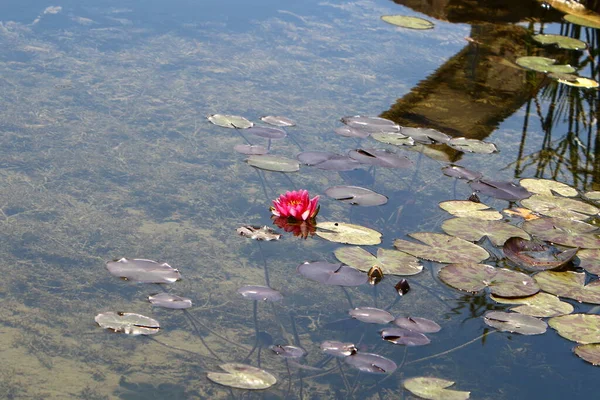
297 205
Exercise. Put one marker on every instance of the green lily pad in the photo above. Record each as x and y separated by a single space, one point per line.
472 145
391 262
548 187
405 21
473 229
393 138
577 81
560 207
541 305
476 277
242 376
441 248
273 163
230 121
128 323
563 42
433 388
580 328
593 195
543 64
341 232
564 231
569 284
589 352
466 208
515 322
590 260
582 21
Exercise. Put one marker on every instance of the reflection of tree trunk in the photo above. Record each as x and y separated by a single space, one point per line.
476 89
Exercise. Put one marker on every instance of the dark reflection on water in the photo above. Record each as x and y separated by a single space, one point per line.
105 152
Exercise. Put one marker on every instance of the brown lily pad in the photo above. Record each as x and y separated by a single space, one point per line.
590 260
580 328
564 231
561 207
441 248
473 229
569 284
536 255
589 352
541 305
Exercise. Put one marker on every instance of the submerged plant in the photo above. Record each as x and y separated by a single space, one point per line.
296 205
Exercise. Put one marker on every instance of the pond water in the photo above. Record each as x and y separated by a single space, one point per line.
106 152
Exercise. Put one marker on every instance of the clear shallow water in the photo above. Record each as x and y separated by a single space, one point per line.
106 152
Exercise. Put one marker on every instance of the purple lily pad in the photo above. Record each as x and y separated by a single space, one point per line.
351 132
250 149
256 292
564 231
288 351
143 271
500 190
315 157
416 324
338 349
380 158
356 195
425 135
404 337
371 315
270 133
339 163
332 274
372 363
458 172
168 300
277 121
371 124
535 255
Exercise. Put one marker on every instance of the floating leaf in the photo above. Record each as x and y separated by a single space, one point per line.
547 187
341 232
338 349
417 324
563 42
250 149
356 195
564 231
392 262
535 255
371 124
425 135
270 133
144 271
520 212
260 293
500 190
473 229
441 248
405 21
347 131
380 158
543 64
273 163
168 300
456 171
582 21
593 195
371 363
589 352
590 260
404 337
433 389
472 145
277 121
569 284
258 232
242 376
541 305
371 315
393 138
515 322
561 207
128 323
501 281
288 351
230 121
578 81
328 161
332 274
580 328
469 209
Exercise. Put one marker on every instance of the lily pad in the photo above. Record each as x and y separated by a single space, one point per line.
543 64
393 138
564 231
270 133
273 163
338 349
128 323
371 124
371 315
541 305
417 324
582 21
562 42
593 195
502 282
168 300
260 293
579 81
258 232
143 271
500 190
356 195
456 171
392 262
580 328
433 389
589 352
341 232
404 337
469 209
242 376
515 322
590 260
405 21
441 248
569 284
250 149
473 229
548 187
288 351
562 207
535 255
348 131
277 121
425 135
230 121
371 363
472 145
332 274
380 158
